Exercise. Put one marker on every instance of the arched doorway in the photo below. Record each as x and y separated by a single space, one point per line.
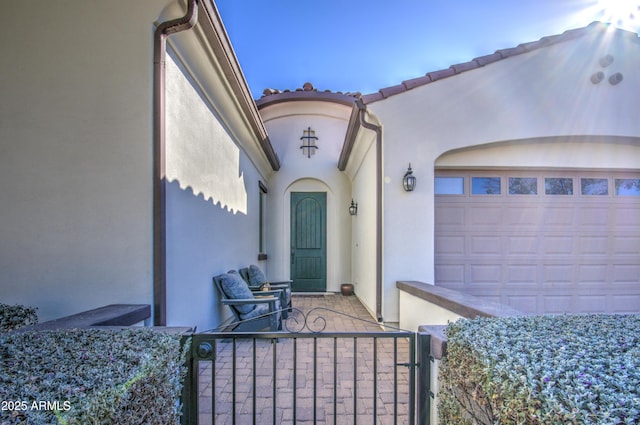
309 241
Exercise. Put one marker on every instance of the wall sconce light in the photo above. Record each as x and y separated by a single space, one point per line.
308 142
409 180
353 209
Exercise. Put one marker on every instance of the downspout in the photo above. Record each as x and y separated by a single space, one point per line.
363 109
163 30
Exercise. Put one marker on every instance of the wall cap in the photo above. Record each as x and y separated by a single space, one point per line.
465 305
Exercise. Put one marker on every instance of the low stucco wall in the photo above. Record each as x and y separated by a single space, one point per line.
416 311
423 304
427 308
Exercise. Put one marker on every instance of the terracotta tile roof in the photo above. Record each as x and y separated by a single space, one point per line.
309 92
306 87
485 60
305 93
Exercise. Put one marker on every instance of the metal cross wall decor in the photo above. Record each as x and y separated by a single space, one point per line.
308 142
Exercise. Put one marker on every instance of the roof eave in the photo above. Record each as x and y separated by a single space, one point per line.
302 95
231 68
349 138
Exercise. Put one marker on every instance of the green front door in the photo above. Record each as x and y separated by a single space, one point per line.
309 241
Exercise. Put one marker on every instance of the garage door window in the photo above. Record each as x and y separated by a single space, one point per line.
485 185
628 187
449 186
523 186
594 186
558 186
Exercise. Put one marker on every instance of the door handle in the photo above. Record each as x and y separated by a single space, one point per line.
293 256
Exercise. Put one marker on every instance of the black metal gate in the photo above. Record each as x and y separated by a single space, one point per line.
304 375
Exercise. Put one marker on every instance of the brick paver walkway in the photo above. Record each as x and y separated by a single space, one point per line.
330 378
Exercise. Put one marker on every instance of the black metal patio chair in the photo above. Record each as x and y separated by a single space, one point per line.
252 311
256 280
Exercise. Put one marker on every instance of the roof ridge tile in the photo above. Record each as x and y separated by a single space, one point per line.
439 75
465 66
511 51
308 88
390 91
534 45
372 97
487 59
415 82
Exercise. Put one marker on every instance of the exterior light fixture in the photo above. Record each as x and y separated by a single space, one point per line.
409 180
353 209
308 142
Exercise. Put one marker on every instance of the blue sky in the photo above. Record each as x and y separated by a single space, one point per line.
365 45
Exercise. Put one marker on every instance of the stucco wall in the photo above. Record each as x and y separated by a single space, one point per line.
75 154
285 123
418 312
534 96
212 204
363 244
595 152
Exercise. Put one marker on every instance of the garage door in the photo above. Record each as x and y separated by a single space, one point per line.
540 241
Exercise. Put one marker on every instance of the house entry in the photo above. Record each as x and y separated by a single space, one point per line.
309 241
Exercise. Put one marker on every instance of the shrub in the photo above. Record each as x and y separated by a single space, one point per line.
13 317
574 369
91 376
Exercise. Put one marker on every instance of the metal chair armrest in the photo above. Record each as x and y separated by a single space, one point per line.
239 301
273 292
282 282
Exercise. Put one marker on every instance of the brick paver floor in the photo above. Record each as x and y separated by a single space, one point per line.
338 393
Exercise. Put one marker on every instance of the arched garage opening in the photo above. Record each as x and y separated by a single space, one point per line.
515 225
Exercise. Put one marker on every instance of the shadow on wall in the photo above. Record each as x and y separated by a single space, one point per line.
232 197
201 153
203 239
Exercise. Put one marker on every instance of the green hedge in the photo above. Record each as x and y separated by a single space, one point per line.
91 376
573 369
13 317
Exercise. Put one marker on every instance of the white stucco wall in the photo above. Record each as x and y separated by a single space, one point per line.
534 96
201 154
363 243
212 203
416 312
75 154
598 152
285 123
